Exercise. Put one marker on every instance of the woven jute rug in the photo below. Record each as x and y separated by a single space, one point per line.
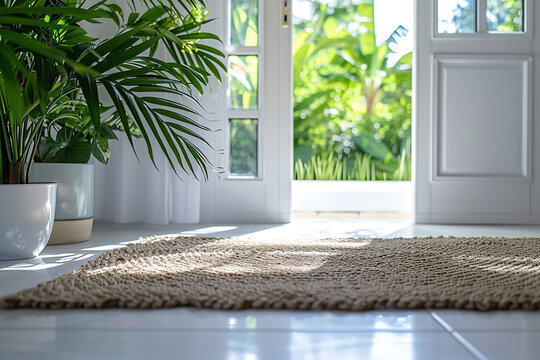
346 274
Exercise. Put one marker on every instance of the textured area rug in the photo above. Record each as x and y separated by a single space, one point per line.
346 274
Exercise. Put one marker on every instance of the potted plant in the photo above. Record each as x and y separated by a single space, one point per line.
68 142
26 210
63 72
62 156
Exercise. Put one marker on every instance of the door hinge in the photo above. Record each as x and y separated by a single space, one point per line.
286 13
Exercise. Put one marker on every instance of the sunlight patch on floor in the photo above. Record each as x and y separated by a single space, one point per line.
209 230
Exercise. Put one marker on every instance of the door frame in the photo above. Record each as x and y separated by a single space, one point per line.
267 197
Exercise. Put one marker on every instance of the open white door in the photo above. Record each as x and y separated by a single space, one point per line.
476 121
254 110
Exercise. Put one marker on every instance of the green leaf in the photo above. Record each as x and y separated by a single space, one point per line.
91 95
372 147
68 147
16 20
367 36
12 91
55 10
99 152
121 110
43 49
114 59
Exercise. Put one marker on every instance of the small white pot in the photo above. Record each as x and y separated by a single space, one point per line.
26 219
74 200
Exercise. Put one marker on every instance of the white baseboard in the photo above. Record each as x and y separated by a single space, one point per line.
474 218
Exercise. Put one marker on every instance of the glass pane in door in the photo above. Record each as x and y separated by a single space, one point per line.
243 151
244 22
456 16
243 81
504 15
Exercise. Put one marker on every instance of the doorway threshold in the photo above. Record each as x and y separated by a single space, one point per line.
352 196
333 216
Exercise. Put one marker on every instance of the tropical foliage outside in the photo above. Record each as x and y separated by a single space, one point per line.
352 96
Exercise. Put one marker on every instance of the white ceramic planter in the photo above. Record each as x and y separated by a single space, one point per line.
74 200
26 219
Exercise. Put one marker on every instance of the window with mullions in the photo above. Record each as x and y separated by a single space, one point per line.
243 96
464 17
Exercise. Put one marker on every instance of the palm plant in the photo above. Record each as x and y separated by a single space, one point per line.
56 79
366 63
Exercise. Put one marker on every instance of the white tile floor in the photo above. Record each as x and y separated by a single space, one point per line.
186 333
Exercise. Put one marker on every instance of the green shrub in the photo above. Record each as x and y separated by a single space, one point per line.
360 167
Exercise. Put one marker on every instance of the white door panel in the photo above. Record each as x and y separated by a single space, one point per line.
482 116
474 116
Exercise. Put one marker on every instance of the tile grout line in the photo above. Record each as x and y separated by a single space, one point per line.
210 329
464 342
227 330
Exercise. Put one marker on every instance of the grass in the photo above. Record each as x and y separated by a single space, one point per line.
361 167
